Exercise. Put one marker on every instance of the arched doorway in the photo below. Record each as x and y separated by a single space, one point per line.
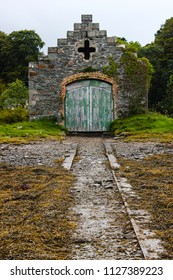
88 102
88 105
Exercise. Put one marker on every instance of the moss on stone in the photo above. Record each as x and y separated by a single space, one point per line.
111 70
138 70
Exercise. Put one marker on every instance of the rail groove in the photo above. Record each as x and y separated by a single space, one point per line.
149 246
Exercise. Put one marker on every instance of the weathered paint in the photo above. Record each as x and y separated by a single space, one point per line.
88 106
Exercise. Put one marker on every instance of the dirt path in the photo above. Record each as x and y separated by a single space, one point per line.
103 229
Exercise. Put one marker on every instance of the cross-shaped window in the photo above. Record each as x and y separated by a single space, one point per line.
86 50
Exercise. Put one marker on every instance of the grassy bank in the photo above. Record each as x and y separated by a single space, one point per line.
23 132
144 127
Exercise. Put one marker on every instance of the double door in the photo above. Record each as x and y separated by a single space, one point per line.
88 106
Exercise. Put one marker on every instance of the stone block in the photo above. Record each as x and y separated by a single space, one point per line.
77 26
84 34
32 73
60 51
42 66
86 18
77 34
95 26
31 85
62 42
70 34
32 92
51 66
93 34
32 103
52 56
85 27
111 40
52 50
102 33
120 47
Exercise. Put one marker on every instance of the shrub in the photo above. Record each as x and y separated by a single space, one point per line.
13 115
15 95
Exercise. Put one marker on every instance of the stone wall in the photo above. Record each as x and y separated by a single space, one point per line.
67 59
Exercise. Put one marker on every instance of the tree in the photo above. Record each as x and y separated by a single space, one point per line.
17 50
14 96
130 46
160 54
2 39
166 105
169 96
154 53
164 38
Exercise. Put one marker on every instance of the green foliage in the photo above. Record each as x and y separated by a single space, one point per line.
2 87
150 70
153 52
138 75
121 40
135 107
15 95
170 86
166 105
144 125
2 40
89 69
111 70
133 46
164 38
16 50
130 46
138 70
13 115
160 54
43 128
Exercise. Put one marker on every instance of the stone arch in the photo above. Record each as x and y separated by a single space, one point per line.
85 76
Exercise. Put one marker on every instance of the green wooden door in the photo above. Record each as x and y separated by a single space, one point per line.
88 106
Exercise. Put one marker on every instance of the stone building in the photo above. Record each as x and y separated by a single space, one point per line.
74 82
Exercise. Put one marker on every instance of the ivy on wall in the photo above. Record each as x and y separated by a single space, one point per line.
138 70
112 69
133 75
89 69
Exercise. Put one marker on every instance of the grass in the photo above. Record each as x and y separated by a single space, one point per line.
152 181
23 132
144 127
36 220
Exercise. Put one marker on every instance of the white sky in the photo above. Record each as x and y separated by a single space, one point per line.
136 20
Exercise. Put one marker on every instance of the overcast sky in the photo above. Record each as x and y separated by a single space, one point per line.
136 20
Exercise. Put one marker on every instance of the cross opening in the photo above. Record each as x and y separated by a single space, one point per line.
86 50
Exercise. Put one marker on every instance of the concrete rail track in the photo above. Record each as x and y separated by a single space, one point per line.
107 228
